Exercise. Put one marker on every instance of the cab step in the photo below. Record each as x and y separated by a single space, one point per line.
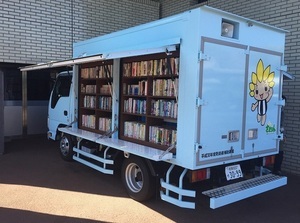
235 192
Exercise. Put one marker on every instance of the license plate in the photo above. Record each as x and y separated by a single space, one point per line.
233 172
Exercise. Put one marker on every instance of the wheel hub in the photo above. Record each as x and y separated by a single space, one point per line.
134 177
64 146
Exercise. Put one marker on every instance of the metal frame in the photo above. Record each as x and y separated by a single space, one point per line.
180 191
102 160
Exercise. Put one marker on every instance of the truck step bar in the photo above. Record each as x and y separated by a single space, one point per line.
101 160
231 193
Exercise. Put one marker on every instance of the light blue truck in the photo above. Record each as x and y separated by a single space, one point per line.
193 97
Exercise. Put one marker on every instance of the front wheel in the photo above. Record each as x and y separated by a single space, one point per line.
66 145
137 179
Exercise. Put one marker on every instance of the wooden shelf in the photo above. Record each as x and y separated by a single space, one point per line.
94 83
142 86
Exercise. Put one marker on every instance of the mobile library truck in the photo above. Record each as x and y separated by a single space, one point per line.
192 97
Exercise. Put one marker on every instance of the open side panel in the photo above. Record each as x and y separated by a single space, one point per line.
222 84
126 147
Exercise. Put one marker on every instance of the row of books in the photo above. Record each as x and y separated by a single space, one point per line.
92 89
88 121
165 87
157 134
106 89
104 124
103 71
162 136
136 89
135 130
88 89
151 68
135 106
105 103
164 108
89 101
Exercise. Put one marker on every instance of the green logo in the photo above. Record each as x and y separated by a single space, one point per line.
270 128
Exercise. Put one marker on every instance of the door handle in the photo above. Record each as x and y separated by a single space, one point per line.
65 113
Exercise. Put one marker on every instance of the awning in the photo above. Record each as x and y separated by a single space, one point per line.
139 50
62 63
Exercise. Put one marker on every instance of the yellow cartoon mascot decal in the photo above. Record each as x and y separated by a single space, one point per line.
261 88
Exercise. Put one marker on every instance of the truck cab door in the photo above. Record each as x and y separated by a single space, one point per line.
59 104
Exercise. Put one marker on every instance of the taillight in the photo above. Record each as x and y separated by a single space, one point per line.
198 175
268 160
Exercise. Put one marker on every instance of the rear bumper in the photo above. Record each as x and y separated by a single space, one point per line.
228 194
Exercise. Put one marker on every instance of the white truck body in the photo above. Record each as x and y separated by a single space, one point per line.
229 97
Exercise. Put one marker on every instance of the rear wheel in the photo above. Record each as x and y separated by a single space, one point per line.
137 179
66 145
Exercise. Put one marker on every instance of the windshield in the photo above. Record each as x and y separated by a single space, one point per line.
61 89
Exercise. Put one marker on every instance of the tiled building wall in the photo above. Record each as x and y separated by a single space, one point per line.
283 14
34 31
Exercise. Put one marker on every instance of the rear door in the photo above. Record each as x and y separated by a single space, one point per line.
263 110
222 94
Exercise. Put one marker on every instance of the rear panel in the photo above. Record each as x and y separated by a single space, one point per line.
238 109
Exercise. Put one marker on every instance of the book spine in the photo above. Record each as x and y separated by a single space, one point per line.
164 108
135 130
89 121
104 124
162 136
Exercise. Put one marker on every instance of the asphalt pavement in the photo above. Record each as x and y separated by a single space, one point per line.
36 185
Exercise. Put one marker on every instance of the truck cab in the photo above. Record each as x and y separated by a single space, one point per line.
60 104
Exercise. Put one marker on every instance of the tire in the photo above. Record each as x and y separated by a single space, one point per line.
66 145
136 177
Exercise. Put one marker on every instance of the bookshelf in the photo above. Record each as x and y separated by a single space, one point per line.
95 99
148 108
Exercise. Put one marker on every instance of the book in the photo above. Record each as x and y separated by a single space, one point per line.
127 70
104 124
105 103
136 130
89 101
164 108
165 87
162 135
88 121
